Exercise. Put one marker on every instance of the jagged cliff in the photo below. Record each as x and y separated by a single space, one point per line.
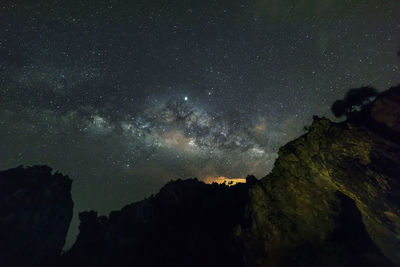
332 199
188 223
35 213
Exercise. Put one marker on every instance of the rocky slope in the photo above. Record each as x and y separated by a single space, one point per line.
35 212
333 197
188 223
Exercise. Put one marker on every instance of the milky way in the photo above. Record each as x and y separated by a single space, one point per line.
123 97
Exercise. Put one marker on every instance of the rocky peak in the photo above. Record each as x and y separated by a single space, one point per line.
35 212
386 109
336 172
332 199
188 223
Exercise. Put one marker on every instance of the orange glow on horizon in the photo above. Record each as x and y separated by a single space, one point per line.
222 179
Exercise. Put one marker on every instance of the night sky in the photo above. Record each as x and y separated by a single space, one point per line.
123 96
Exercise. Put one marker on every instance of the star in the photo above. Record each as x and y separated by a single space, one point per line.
211 92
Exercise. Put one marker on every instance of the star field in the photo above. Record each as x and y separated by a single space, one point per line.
123 97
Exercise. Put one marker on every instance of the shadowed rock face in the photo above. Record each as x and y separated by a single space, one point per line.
386 109
336 170
35 212
332 199
188 223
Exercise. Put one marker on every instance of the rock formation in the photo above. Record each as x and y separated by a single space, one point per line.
188 223
35 212
332 199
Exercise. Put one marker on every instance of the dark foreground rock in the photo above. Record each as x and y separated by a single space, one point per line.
35 213
332 199
188 223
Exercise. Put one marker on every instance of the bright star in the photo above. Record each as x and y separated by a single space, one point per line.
186 98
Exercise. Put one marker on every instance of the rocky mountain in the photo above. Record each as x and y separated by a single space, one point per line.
188 223
35 213
332 199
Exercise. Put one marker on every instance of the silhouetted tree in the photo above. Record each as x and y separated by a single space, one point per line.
251 180
354 100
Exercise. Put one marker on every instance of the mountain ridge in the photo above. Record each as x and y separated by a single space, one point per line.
332 199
